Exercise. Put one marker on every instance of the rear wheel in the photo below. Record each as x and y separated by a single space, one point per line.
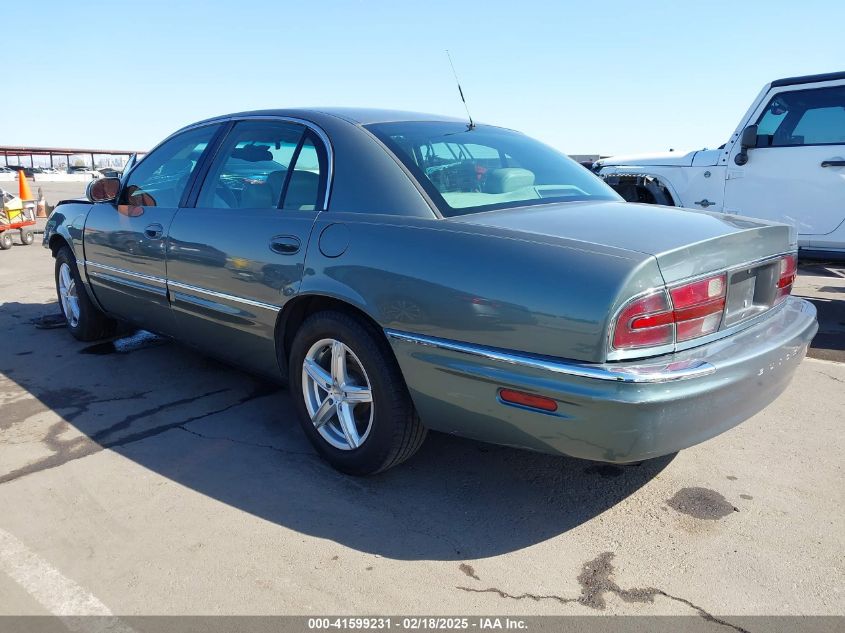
5 240
351 398
84 320
27 237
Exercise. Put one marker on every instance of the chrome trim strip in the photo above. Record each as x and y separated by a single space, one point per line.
176 284
640 373
130 273
223 295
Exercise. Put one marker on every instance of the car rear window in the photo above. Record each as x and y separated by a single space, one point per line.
484 168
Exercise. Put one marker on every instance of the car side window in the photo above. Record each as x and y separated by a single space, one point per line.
159 180
304 188
803 117
251 168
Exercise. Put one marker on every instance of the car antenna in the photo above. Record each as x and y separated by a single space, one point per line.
471 125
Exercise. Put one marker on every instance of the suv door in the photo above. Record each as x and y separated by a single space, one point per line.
796 173
125 243
236 256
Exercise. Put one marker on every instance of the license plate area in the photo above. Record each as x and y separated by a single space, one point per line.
750 292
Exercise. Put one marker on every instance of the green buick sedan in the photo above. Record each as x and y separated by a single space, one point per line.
403 272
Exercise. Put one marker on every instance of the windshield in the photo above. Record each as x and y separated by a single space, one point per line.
468 171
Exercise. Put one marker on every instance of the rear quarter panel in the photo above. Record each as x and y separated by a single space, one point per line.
480 285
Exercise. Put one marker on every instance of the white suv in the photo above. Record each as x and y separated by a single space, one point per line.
785 162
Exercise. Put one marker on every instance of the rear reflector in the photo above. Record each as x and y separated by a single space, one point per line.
527 400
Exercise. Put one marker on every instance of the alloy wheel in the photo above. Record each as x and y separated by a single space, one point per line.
68 295
338 394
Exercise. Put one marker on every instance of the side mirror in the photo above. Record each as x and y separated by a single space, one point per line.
103 190
747 140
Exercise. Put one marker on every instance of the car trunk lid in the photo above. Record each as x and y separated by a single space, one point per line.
685 243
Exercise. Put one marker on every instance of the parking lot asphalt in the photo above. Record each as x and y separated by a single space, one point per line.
154 480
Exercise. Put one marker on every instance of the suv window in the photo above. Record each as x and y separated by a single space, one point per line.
803 117
259 163
160 179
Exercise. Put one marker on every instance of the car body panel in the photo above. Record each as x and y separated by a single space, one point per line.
126 268
605 420
226 284
720 241
420 282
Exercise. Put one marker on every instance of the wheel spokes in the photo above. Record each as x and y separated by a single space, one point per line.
318 374
347 424
324 413
338 395
339 375
65 277
357 395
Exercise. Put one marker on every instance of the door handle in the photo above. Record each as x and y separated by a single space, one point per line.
154 231
833 163
285 244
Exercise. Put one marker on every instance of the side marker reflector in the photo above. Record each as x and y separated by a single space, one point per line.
530 400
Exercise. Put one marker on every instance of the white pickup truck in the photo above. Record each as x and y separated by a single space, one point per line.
784 162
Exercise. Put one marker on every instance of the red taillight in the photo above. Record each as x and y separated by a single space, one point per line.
788 268
699 307
527 400
696 311
646 322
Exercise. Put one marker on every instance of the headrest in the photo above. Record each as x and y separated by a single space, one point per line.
508 179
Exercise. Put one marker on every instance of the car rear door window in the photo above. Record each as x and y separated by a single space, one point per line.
251 168
159 180
305 185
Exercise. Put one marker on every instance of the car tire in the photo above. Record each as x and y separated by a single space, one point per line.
5 240
84 320
27 237
387 427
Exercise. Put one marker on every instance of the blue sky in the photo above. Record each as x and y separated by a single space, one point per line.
586 77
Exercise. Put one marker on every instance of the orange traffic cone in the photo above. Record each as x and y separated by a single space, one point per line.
23 187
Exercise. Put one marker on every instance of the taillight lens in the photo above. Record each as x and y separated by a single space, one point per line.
788 268
699 307
646 322
697 310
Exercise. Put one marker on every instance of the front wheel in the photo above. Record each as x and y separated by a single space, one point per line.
27 237
350 395
5 240
84 320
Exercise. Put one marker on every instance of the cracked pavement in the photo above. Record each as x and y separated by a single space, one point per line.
163 482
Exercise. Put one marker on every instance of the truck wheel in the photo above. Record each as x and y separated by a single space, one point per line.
5 240
84 320
351 398
27 237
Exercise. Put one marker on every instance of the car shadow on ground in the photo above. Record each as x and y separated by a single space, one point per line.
236 439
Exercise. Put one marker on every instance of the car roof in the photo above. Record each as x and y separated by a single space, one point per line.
807 79
358 116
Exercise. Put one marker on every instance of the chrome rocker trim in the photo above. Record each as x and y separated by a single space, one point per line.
640 373
166 283
223 295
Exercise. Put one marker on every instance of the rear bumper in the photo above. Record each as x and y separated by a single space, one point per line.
615 412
